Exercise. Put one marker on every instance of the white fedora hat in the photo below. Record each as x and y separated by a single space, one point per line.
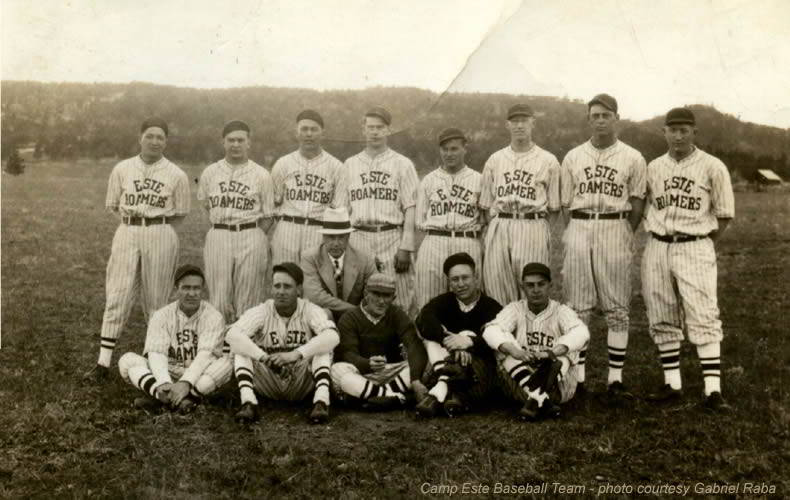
336 221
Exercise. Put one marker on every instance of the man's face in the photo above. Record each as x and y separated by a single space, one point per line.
463 282
377 302
189 292
602 120
237 145
536 287
152 142
335 244
520 127
309 134
453 153
375 131
284 289
680 138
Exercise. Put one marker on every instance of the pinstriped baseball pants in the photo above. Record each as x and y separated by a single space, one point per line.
290 241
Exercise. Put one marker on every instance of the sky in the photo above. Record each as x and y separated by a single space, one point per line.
652 55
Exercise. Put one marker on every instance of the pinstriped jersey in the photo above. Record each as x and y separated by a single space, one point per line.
141 190
273 333
449 201
602 180
305 188
521 182
557 324
380 189
687 196
172 332
236 194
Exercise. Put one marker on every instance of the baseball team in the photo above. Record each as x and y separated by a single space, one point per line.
351 314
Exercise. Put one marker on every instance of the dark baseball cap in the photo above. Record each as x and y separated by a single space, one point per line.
380 112
458 259
310 114
449 134
680 116
291 270
604 100
519 110
154 121
536 268
233 126
188 270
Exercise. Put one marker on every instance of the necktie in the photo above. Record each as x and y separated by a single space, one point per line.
338 277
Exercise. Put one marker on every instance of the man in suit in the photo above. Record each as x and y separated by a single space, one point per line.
335 273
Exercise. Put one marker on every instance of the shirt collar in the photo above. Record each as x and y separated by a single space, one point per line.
370 317
466 308
339 260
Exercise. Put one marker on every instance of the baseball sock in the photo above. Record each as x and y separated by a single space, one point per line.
439 391
358 386
321 377
244 379
617 341
580 372
106 347
142 378
710 359
670 361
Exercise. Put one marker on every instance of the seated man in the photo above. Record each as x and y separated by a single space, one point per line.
537 342
283 348
184 340
452 323
370 365
335 273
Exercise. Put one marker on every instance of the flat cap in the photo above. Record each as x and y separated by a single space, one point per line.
310 114
680 116
291 270
233 126
604 100
449 134
519 110
536 268
380 112
457 259
154 121
381 282
188 270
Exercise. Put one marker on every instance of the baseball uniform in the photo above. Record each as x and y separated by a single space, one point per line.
237 197
447 211
145 245
261 331
596 187
303 189
379 191
518 189
188 348
557 324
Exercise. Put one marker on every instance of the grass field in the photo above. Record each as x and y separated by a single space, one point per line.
59 439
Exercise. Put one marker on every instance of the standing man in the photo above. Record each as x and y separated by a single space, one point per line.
237 194
335 272
382 194
603 191
184 340
690 205
521 191
537 341
283 348
306 182
150 195
448 212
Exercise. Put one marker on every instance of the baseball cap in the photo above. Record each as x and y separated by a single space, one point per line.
188 270
519 110
449 134
680 116
457 259
154 121
604 100
381 282
310 114
536 268
291 270
233 126
380 112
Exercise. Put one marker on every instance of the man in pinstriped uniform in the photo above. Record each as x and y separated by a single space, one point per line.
603 190
520 192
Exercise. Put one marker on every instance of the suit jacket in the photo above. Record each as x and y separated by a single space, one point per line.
319 278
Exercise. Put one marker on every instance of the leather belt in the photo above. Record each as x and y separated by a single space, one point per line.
307 221
454 234
377 229
678 238
578 214
236 227
133 220
530 216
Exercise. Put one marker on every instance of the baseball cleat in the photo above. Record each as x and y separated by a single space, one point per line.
383 403
428 407
148 404
616 393
187 405
715 403
529 412
319 414
550 409
665 394
581 391
453 406
96 375
247 414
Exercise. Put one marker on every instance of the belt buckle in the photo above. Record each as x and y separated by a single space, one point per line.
306 221
595 215
675 238
452 233
143 221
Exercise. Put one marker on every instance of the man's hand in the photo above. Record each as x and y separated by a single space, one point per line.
457 342
282 360
163 392
402 261
463 358
179 391
377 363
516 352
